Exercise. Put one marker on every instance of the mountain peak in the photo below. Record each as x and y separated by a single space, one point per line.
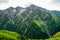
32 5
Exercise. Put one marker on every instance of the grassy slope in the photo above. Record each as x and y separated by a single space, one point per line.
8 35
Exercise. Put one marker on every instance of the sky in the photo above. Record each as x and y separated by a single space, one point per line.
47 4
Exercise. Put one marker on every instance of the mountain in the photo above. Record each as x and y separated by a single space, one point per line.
32 22
56 12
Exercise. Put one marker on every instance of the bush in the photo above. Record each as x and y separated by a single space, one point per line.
8 35
56 36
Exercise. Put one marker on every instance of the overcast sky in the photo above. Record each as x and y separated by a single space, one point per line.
48 4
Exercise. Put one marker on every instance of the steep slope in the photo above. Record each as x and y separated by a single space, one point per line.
33 21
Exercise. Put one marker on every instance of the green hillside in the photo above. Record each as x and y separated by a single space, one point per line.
8 35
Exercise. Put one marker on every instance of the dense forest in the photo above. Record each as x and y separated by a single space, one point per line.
29 23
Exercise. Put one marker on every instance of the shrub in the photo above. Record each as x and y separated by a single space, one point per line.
56 36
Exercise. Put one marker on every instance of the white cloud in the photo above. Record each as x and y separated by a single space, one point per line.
24 3
15 3
3 1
